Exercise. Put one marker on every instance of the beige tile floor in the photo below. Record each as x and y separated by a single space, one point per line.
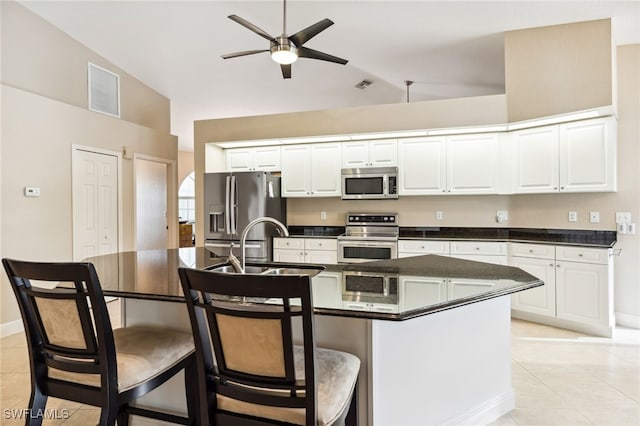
560 378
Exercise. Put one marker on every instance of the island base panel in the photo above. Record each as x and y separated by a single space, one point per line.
452 367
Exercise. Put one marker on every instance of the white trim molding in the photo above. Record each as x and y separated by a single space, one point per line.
628 320
11 327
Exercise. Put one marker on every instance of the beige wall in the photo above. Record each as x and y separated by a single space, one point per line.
549 69
39 58
43 113
185 165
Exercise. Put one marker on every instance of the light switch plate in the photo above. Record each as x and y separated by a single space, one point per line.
31 191
594 217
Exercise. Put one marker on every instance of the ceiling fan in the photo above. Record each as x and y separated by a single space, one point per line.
285 50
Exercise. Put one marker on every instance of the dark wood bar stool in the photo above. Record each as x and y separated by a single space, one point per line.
258 375
75 355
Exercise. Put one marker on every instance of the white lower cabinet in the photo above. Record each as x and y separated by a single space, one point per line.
327 290
480 251
409 248
578 289
305 250
417 292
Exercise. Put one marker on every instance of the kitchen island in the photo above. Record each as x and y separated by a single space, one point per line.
433 333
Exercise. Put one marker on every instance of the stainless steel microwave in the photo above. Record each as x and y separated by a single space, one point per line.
370 183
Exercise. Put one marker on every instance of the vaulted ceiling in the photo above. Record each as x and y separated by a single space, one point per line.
447 48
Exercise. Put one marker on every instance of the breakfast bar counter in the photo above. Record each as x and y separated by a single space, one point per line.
432 332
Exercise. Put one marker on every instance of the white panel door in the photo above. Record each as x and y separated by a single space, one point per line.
422 166
326 160
355 154
588 156
582 292
473 164
383 153
238 160
151 204
296 162
539 300
95 204
416 292
266 158
535 160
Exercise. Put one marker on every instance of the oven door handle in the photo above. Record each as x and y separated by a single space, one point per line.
344 243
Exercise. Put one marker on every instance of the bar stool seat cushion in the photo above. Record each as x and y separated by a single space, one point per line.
337 373
143 351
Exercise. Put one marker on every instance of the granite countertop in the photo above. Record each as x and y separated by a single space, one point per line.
574 237
152 274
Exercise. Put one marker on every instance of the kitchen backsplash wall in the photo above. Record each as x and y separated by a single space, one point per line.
526 211
477 211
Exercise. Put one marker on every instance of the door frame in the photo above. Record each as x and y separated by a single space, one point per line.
91 149
172 198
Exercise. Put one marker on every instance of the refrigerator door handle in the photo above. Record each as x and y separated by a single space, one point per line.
227 206
233 211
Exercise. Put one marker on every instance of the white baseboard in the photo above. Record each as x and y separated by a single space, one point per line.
487 412
628 320
11 327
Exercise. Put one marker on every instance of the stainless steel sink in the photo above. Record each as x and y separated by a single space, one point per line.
272 270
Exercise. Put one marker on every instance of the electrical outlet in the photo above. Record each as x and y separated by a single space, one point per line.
594 217
573 216
323 215
438 215
502 216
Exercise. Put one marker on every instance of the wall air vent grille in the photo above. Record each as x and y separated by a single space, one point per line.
104 91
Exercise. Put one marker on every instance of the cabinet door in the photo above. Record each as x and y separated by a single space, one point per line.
383 153
417 292
355 154
296 162
588 156
239 159
327 290
266 158
459 288
323 257
473 164
325 169
539 300
288 256
422 166
582 293
535 160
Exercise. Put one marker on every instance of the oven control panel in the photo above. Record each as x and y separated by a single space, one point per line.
377 219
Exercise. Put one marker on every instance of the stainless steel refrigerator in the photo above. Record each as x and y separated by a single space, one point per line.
231 201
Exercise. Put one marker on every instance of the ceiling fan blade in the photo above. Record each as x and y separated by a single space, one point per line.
305 52
286 71
302 36
245 53
251 27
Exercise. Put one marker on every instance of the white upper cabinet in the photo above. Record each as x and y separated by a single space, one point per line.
588 156
535 160
377 153
265 158
473 164
311 170
461 164
571 157
422 166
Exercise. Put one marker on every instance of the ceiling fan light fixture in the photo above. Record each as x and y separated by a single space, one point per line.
284 53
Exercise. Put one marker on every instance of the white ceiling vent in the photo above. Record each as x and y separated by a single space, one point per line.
364 84
104 91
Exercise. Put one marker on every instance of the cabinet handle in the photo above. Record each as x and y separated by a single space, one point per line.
580 255
562 187
530 250
551 265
